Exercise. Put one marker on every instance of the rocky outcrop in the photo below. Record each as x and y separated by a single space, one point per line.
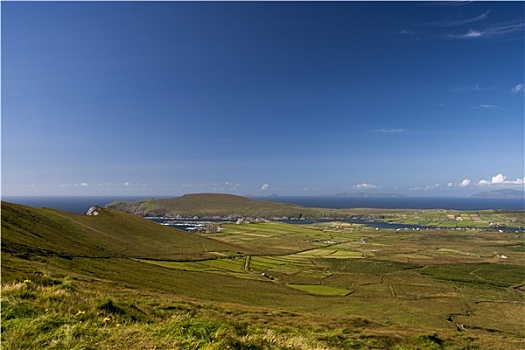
93 211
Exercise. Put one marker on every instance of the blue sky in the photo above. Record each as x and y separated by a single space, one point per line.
287 98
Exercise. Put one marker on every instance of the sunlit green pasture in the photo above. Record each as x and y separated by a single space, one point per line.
317 289
272 237
285 264
497 275
232 267
332 253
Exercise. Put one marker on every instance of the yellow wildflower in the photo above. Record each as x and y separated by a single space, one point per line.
106 319
119 324
27 281
80 312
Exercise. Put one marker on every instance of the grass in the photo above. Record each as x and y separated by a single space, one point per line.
45 312
118 281
50 313
320 289
497 275
232 265
332 253
53 312
111 234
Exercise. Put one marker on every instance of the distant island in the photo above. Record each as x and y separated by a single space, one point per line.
368 195
504 193
218 205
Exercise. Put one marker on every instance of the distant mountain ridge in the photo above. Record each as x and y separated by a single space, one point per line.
368 195
503 193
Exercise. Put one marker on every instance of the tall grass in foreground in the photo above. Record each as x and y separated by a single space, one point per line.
43 312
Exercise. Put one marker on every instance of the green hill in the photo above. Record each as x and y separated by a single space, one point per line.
28 231
115 280
215 204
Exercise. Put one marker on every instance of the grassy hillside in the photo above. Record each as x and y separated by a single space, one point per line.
214 204
116 281
28 232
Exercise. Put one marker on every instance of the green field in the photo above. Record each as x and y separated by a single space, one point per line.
461 219
117 281
320 289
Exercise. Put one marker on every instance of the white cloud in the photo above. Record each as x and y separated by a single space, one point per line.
126 184
501 179
82 184
226 186
364 186
465 183
469 35
232 185
426 188
488 32
389 130
473 34
519 88
432 187
201 185
488 106
264 187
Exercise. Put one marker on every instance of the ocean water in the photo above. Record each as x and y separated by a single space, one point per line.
80 205
72 204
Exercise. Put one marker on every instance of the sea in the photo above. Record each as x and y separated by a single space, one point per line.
79 205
